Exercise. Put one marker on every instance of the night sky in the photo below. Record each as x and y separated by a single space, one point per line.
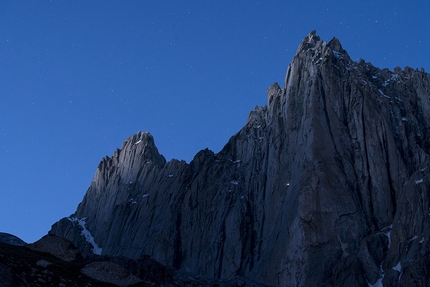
78 77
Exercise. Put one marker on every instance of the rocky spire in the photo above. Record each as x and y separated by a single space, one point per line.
309 42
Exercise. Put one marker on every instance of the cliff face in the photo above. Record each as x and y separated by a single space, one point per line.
327 185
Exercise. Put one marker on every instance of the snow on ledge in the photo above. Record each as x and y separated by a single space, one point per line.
419 181
87 234
398 267
337 55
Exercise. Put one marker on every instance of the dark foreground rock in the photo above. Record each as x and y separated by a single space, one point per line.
55 266
327 185
21 266
58 247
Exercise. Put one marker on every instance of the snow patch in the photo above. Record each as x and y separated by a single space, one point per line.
384 95
138 142
419 181
337 55
387 232
415 237
235 182
398 267
377 283
87 234
394 78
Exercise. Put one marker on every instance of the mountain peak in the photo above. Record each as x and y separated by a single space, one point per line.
327 185
309 41
334 44
315 47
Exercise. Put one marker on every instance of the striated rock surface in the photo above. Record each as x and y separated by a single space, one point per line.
327 185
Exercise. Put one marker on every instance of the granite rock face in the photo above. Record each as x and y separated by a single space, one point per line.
327 185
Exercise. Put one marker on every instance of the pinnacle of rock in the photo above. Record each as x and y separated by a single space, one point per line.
309 41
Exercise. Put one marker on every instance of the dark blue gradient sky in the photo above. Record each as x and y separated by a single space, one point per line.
78 77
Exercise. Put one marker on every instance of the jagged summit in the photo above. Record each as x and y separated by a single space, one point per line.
309 42
335 45
313 41
320 49
327 185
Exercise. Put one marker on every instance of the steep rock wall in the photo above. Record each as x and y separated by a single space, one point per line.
327 185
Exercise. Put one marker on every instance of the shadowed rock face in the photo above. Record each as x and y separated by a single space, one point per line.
11 239
327 185
54 261
56 246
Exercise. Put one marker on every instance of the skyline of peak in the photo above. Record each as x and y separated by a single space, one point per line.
80 78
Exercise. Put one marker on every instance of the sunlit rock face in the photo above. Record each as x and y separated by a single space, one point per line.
327 185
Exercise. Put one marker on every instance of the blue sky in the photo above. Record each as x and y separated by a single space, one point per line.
78 77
